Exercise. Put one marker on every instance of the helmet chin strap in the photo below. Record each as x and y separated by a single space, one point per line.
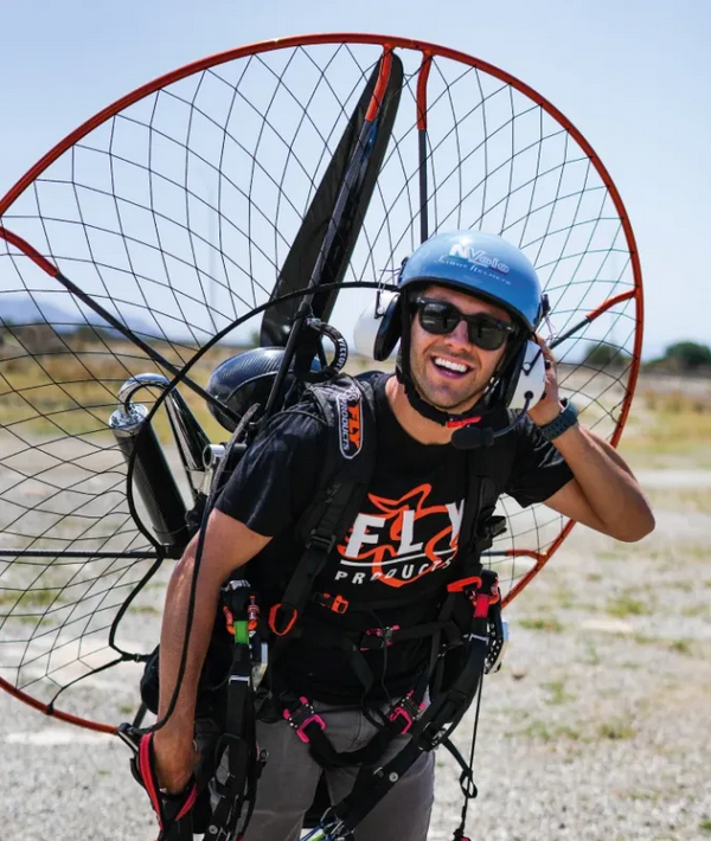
427 410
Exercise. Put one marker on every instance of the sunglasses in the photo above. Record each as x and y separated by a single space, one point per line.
440 318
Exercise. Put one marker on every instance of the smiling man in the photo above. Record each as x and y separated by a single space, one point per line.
468 304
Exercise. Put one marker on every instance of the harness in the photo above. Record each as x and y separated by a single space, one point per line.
466 639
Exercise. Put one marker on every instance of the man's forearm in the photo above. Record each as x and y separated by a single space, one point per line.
609 486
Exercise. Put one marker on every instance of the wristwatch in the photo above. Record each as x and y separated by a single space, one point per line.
567 418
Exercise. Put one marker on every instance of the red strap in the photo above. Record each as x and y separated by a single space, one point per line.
481 605
189 803
146 767
455 424
463 583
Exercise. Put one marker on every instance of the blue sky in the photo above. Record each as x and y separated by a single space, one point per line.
634 77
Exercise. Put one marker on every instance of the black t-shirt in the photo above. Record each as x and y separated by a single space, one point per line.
398 548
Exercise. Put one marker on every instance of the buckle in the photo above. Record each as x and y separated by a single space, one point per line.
408 710
325 543
385 636
335 603
303 716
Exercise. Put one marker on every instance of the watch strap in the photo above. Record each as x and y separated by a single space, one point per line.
567 418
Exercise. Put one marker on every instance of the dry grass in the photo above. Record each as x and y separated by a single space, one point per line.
73 388
670 423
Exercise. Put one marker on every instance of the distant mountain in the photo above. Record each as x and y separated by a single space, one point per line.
22 311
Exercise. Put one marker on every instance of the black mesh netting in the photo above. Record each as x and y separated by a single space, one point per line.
175 214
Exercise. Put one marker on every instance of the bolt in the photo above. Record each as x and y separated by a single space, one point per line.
393 777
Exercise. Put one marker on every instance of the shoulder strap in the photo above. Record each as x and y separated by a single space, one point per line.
348 407
479 526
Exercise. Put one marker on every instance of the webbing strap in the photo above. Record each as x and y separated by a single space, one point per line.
238 740
439 719
325 522
399 720
320 543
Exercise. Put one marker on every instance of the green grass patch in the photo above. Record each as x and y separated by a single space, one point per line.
649 796
551 625
616 730
696 610
626 605
30 598
535 730
146 609
705 826
540 731
593 658
682 646
557 693
645 639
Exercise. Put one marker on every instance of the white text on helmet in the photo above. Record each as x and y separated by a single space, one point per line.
478 257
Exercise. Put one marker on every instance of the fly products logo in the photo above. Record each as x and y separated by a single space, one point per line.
350 425
401 541
478 257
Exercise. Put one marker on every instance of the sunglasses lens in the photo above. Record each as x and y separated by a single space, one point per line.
438 318
487 334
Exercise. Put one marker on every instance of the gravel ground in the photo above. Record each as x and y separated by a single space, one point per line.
596 729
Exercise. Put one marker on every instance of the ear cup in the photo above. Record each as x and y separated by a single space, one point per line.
510 369
378 327
370 322
389 331
530 377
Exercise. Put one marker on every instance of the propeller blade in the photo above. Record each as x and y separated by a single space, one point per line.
301 261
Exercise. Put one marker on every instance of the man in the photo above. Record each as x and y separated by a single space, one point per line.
468 303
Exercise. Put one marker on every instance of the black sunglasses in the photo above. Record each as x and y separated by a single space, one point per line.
440 318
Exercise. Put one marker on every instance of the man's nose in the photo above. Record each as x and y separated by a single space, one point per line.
460 335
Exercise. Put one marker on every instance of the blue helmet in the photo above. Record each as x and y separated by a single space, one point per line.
480 264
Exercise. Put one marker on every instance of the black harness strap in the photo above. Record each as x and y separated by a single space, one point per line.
239 739
345 479
434 725
320 543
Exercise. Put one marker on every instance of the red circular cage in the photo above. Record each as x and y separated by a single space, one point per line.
148 238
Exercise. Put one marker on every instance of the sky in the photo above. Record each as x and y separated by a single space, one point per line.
634 77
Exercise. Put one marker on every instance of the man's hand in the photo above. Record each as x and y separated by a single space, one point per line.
175 760
604 494
548 407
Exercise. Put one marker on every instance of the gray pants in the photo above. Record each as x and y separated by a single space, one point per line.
288 783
